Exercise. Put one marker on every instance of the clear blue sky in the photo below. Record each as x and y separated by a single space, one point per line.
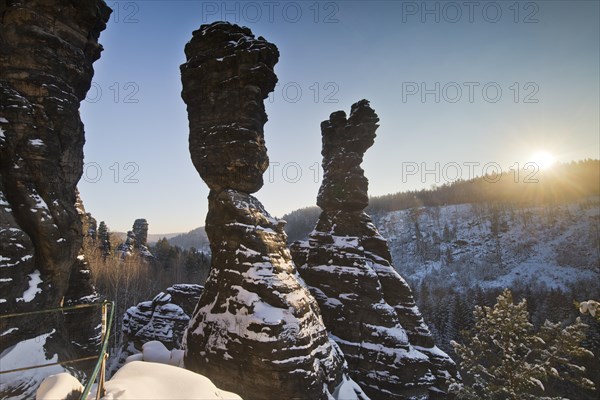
543 56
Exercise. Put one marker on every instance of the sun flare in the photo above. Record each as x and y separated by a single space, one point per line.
543 159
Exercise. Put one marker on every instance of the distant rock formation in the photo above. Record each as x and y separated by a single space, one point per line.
367 306
256 330
136 241
140 230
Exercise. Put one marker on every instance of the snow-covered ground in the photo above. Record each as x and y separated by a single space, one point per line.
153 374
496 245
151 380
25 354
157 373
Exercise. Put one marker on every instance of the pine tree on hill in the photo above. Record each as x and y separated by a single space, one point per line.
504 358
104 236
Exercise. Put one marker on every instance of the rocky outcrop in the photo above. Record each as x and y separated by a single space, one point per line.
226 77
83 325
46 55
256 330
164 318
367 306
136 241
89 224
140 230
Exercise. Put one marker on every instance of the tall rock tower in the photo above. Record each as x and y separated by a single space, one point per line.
47 49
366 305
256 330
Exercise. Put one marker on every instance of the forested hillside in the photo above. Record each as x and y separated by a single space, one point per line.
459 245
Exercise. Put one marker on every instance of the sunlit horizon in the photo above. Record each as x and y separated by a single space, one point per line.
544 159
463 93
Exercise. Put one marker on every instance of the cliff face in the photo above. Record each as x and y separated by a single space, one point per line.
367 306
256 330
46 55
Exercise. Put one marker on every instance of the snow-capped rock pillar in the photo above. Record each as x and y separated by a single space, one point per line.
256 330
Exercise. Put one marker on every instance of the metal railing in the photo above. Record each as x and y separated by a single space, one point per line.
100 367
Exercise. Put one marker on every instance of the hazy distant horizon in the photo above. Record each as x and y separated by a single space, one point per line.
453 86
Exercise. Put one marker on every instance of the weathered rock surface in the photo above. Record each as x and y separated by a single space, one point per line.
46 55
227 75
83 325
140 230
136 241
256 330
47 49
164 318
366 305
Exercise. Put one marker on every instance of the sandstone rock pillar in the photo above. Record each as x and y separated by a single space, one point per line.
366 305
256 330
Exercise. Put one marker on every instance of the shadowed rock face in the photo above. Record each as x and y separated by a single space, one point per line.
47 49
345 141
140 230
366 305
227 75
256 330
46 55
164 318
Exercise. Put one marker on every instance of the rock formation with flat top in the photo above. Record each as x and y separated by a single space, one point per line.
256 329
367 307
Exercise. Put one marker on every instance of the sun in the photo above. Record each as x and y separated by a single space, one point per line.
543 159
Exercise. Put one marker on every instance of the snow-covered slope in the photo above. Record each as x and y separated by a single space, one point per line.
23 384
495 245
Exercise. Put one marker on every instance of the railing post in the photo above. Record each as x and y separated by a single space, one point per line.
101 378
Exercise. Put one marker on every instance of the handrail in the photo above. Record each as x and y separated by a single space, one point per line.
8 371
77 306
101 358
101 364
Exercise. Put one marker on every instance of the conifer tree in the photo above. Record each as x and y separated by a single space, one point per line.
504 358
104 236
